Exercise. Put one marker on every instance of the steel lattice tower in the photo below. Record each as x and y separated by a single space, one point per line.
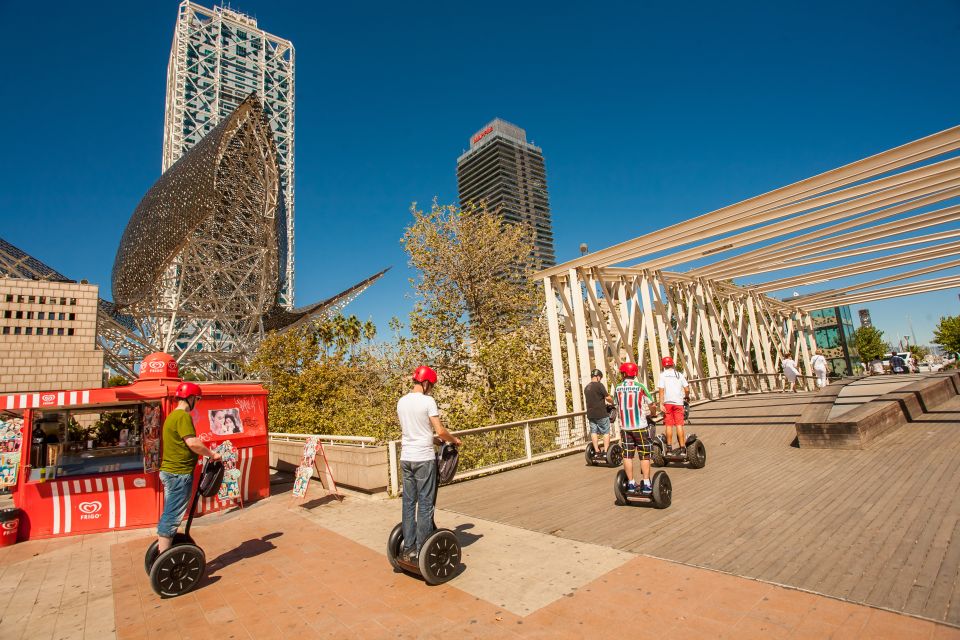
218 58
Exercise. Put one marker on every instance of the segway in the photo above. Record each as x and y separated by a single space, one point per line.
613 456
439 557
695 456
178 569
660 498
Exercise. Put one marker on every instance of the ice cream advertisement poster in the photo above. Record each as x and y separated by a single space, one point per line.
230 487
11 440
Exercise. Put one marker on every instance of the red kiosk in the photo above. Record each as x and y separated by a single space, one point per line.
88 460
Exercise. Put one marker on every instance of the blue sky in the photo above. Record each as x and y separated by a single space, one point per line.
648 114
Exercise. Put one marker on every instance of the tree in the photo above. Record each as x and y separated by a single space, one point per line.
947 333
320 382
869 343
477 316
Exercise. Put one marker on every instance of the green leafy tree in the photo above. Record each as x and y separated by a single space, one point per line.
477 316
947 333
117 381
869 343
478 320
321 382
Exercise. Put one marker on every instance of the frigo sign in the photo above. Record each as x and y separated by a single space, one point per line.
90 510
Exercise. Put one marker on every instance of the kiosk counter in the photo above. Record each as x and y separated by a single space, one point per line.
88 461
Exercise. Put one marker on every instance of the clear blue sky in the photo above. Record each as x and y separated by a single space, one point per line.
648 114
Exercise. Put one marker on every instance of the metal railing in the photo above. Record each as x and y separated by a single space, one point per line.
506 446
732 384
356 441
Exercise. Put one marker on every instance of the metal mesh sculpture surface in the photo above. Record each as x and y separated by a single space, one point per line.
197 271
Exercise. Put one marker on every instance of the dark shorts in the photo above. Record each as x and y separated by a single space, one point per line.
637 442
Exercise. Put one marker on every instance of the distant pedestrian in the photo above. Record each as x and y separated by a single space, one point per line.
912 363
897 363
790 372
876 367
819 365
598 399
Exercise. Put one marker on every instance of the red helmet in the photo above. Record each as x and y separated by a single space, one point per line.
425 374
666 361
187 389
629 369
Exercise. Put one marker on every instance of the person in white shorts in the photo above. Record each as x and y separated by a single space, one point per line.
819 365
420 423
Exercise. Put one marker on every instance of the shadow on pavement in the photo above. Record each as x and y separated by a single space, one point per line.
466 539
247 549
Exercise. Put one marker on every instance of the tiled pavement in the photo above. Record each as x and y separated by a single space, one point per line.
275 572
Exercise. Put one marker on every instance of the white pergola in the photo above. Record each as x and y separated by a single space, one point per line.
672 292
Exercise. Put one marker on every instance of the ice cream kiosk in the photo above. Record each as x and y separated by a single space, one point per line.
88 460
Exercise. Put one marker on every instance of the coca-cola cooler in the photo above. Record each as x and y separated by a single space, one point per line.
88 460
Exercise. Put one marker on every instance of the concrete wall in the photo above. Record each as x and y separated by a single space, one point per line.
361 468
57 353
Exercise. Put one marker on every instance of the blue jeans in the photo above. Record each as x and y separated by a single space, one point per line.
176 494
419 498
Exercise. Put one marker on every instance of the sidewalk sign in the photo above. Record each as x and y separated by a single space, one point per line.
308 463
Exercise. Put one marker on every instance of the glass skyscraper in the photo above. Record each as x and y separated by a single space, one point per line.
833 328
218 58
506 172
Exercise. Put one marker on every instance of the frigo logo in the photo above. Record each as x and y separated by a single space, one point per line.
156 365
9 525
90 510
48 398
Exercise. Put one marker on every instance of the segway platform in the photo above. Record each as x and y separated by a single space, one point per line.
177 570
659 498
438 559
695 455
612 457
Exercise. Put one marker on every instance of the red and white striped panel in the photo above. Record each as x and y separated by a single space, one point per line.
45 399
77 502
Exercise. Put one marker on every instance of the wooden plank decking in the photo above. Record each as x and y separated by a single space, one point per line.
879 526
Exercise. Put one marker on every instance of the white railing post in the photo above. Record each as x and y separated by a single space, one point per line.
394 486
526 440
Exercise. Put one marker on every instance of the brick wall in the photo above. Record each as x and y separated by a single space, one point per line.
48 333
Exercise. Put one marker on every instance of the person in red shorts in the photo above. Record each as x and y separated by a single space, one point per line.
674 393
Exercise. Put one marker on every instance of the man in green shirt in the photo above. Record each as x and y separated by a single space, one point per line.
181 447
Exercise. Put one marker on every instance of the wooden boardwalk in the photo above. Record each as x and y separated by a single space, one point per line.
880 526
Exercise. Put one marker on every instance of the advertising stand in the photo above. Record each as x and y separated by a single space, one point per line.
89 460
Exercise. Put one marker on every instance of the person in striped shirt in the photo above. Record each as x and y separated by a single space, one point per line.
634 400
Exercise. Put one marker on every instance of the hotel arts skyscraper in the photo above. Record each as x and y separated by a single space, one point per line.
218 58
504 170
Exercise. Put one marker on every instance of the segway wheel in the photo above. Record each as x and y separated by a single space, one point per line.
439 557
656 453
697 455
662 490
395 546
152 551
615 455
177 570
588 454
620 487
150 556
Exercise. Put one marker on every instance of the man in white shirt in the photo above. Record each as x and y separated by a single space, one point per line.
819 365
420 423
674 393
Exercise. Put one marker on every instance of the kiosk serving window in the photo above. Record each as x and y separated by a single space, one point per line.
91 441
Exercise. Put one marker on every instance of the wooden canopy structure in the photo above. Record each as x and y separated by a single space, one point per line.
685 290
